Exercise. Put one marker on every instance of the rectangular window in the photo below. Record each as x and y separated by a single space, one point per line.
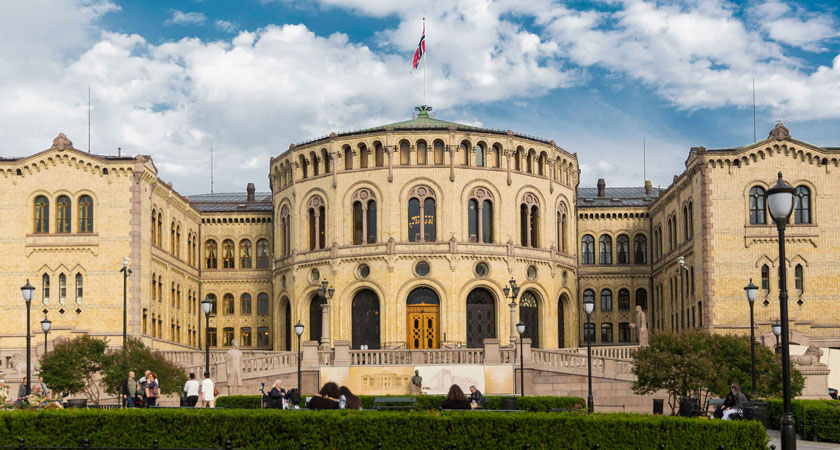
262 305
624 332
589 332
227 336
262 337
211 337
606 333
245 339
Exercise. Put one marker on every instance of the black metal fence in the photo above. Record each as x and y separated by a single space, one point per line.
799 426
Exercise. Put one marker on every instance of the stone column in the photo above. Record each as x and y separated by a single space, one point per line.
512 323
342 353
325 325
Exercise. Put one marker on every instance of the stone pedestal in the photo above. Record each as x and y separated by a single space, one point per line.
342 353
816 382
491 351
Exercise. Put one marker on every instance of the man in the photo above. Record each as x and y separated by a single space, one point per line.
191 391
44 391
475 398
129 390
208 391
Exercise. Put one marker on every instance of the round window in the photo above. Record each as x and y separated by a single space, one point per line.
364 270
314 276
532 272
422 269
481 269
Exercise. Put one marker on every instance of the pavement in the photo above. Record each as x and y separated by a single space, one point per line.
776 439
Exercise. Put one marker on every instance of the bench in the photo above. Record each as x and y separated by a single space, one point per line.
394 403
712 405
106 406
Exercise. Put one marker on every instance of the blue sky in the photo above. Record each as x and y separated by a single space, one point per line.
170 78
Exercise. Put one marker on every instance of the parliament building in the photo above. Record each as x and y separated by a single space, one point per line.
418 230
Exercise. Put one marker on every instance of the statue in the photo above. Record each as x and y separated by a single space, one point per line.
416 383
641 326
16 362
810 358
233 366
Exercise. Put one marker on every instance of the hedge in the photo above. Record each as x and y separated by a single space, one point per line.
271 429
425 402
826 414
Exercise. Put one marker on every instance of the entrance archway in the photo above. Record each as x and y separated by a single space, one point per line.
315 317
422 319
287 324
365 319
481 317
561 320
529 312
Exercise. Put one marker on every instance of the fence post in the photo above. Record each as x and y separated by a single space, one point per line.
303 445
661 446
378 446
816 438
228 445
21 444
155 444
597 447
86 444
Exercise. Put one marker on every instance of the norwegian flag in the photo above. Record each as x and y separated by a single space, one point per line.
421 49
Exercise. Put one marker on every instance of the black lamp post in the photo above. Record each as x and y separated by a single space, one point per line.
45 325
520 327
780 203
27 290
299 332
207 307
512 292
126 272
588 307
752 292
326 292
777 331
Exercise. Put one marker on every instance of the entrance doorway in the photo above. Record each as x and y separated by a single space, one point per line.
422 319
481 317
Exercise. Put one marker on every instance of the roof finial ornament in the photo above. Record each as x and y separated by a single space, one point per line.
780 132
423 110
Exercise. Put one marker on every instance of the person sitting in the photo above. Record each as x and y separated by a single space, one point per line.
351 400
734 402
326 398
276 395
476 398
455 399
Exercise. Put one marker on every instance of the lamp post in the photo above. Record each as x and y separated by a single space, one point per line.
520 327
27 290
207 307
752 292
45 325
298 332
126 272
780 203
680 269
588 307
512 292
326 292
777 331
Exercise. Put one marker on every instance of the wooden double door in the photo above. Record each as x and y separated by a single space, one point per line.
423 326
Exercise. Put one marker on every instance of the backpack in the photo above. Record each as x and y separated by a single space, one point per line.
294 396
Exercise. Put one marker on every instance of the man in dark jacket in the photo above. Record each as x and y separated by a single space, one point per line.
129 390
475 398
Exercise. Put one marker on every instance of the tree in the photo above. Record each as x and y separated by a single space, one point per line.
138 358
73 364
731 357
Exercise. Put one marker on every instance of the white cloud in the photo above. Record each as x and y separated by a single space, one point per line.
227 27
795 27
182 18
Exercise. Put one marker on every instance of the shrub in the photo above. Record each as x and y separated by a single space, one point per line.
202 428
426 402
825 413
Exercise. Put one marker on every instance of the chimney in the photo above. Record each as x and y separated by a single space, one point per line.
602 187
648 187
250 190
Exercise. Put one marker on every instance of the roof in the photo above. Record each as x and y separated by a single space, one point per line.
619 196
231 202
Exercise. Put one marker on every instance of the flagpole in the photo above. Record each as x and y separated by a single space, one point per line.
425 99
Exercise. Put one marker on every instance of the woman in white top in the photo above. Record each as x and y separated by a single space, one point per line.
191 390
208 391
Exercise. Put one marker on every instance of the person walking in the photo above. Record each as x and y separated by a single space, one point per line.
208 391
191 390
129 390
152 390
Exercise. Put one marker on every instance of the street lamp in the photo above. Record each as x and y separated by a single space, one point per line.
326 292
299 332
520 327
207 307
27 291
777 331
752 293
45 325
588 307
126 272
680 269
512 292
780 203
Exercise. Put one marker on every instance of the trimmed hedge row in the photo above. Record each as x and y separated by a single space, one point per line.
425 402
349 430
826 413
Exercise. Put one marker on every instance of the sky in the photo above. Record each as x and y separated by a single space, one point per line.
603 79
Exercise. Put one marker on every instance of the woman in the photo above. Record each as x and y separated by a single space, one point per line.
352 401
327 398
152 390
276 395
734 401
455 399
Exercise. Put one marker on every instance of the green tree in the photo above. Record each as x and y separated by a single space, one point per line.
138 358
73 364
731 357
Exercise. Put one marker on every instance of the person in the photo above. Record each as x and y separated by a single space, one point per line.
455 399
144 381
326 398
129 390
191 391
44 391
352 401
22 389
208 391
734 401
276 395
476 398
152 390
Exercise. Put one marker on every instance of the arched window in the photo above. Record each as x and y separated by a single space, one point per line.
45 289
160 230
605 249
85 214
541 164
62 288
799 278
523 225
42 215
262 304
421 152
227 254
529 313
285 231
587 249
690 219
178 241
480 216
623 300
530 160
758 215
63 214
465 153
561 320
363 156
365 320
535 226
765 278
303 166
405 153
364 217
640 249
517 160
313 158
263 257
228 307
802 205
211 261
80 290
606 333
315 317
479 155
472 220
421 204
438 153
486 224
562 224
641 298
622 248
606 300
379 154
348 158
686 234
496 160
317 223
326 157
670 235
172 238
529 220
245 254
